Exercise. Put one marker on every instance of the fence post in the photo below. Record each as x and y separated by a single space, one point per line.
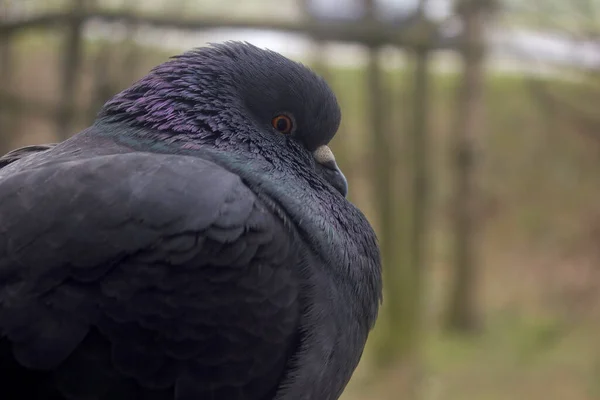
419 146
7 121
72 60
392 341
461 314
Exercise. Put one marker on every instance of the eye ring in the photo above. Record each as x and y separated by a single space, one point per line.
283 123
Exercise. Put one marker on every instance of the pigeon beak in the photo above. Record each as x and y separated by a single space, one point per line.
330 170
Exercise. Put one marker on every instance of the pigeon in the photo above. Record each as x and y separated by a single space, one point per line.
194 243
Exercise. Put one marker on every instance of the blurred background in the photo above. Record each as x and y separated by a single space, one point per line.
470 137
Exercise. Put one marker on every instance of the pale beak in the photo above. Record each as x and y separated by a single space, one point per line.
330 170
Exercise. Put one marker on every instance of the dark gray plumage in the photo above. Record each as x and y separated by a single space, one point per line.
183 247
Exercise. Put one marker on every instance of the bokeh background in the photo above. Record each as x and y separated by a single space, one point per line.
470 137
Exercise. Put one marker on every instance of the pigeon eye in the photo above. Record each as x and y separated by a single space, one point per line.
283 123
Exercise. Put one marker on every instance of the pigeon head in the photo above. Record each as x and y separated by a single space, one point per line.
240 99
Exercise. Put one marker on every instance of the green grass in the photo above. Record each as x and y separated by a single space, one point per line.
517 358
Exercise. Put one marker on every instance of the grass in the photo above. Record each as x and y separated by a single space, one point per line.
525 357
538 211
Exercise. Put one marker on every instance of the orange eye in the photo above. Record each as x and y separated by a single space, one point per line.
283 123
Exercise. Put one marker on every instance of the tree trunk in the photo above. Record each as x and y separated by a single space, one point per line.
418 243
419 146
386 344
462 314
395 335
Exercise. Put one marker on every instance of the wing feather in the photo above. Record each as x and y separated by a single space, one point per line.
19 153
177 267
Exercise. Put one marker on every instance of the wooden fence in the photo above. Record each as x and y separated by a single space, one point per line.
411 34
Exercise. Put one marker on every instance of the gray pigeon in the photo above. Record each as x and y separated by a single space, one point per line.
194 243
